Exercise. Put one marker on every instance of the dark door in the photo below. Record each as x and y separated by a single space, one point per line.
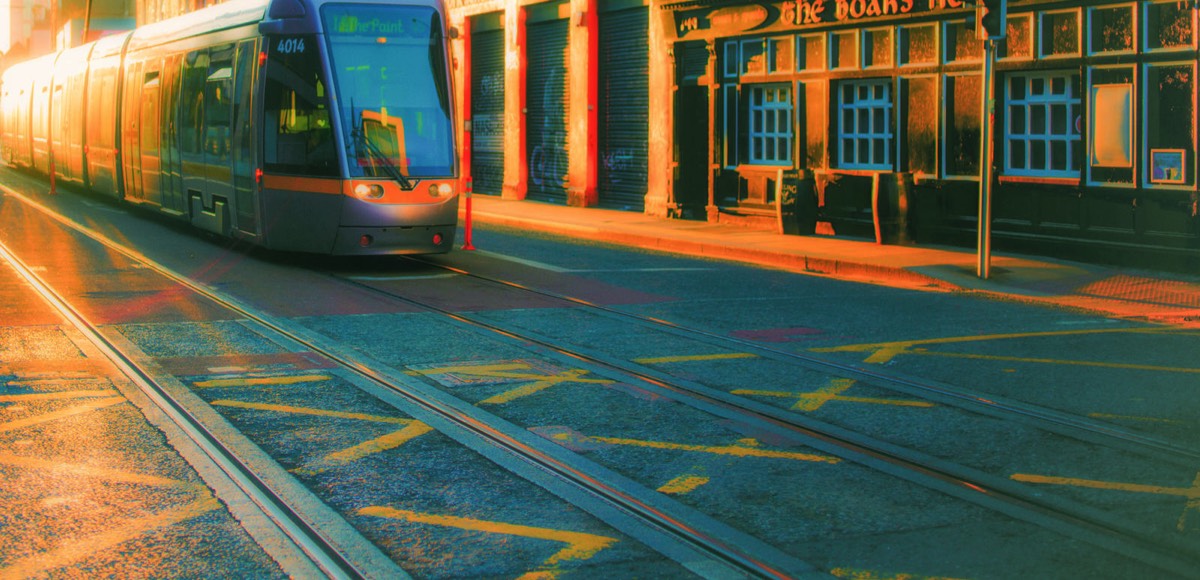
624 108
487 103
547 98
691 129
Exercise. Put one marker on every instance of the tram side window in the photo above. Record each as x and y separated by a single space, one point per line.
218 92
298 138
191 103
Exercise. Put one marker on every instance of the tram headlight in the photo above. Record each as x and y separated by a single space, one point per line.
439 190
368 191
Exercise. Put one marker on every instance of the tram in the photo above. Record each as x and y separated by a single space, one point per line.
297 125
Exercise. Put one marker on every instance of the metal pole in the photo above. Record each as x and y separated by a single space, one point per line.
467 245
985 163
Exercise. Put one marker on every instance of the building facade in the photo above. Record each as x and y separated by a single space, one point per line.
691 108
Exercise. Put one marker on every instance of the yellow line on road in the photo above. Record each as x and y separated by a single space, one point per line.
72 550
883 352
694 358
61 468
379 444
683 484
734 450
1188 492
815 400
580 546
308 411
46 418
260 381
482 370
56 396
571 376
1083 363
1131 418
856 574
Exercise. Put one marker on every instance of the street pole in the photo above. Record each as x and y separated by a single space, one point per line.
985 163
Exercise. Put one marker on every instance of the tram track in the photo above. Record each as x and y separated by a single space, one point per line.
708 547
688 532
997 493
988 404
307 550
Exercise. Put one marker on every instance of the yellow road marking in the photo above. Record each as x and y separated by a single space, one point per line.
502 371
571 376
883 352
734 450
259 381
96 472
815 400
1188 492
856 574
75 549
379 444
56 396
1131 418
46 418
412 429
308 411
481 370
683 484
694 358
1084 363
1191 493
580 546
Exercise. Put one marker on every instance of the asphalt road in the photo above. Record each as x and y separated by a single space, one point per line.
1089 423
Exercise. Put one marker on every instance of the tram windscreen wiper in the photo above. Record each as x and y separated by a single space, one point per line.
384 161
374 124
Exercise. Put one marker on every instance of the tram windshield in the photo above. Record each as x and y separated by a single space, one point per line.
389 72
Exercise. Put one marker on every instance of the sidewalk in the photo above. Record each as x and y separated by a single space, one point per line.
1117 292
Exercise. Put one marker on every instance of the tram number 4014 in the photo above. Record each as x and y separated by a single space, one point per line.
290 46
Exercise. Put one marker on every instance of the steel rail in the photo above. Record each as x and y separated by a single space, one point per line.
1004 496
304 538
950 394
736 557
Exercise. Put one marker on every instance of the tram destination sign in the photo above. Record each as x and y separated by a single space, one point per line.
730 20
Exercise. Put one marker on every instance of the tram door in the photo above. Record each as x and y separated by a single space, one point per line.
149 142
171 165
245 201
130 135
218 133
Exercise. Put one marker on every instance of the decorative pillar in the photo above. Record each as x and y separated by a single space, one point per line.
516 166
660 164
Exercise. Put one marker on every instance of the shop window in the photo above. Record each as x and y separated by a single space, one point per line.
1169 26
810 52
1041 136
865 137
1111 29
961 142
730 124
843 48
1018 38
918 45
961 44
753 58
779 55
770 126
1170 123
1110 128
1060 34
731 61
877 47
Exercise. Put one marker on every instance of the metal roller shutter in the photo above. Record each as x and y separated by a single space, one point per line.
546 102
487 110
624 108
